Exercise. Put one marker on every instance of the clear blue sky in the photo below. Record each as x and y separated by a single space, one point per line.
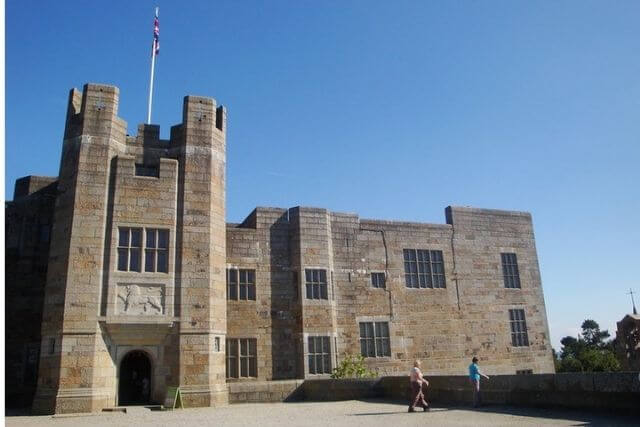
392 110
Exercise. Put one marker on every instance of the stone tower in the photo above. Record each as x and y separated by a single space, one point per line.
135 294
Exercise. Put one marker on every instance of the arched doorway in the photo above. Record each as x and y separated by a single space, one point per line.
134 384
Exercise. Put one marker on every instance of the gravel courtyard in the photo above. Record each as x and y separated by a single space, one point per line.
346 413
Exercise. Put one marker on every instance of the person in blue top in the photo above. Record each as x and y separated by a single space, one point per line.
474 377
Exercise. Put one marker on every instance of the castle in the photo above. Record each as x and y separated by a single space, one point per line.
123 277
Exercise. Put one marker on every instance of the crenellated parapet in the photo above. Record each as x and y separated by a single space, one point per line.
94 111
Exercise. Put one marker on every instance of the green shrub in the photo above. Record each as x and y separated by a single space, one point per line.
353 367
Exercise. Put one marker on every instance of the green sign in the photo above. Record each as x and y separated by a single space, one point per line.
173 399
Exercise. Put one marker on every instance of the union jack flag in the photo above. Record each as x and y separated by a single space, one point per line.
156 35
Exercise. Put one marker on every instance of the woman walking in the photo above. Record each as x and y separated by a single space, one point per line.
474 378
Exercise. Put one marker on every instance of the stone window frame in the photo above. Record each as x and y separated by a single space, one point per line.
310 284
143 248
252 359
423 275
379 274
328 355
510 270
376 320
239 285
518 326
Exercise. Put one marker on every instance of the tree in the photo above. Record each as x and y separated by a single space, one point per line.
571 347
589 352
592 334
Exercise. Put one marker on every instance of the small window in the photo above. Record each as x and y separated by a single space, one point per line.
316 281
519 337
524 372
216 344
319 355
374 339
510 270
241 284
378 280
52 345
423 268
156 252
129 248
242 360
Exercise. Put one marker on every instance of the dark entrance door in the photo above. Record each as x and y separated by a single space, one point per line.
134 386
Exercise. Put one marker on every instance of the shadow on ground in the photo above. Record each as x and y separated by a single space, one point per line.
579 416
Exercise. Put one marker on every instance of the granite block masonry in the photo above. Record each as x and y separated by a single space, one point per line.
137 283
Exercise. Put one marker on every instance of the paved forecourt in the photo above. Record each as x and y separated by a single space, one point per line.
345 413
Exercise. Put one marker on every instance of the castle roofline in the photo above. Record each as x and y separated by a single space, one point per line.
450 211
30 184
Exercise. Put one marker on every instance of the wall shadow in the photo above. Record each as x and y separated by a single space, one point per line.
283 297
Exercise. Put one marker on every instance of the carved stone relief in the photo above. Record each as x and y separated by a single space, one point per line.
140 299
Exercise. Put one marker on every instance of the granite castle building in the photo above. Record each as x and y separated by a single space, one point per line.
123 277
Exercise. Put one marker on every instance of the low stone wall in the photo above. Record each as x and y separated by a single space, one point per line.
345 389
265 391
598 390
574 390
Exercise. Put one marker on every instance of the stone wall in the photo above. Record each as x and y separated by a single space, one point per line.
443 326
479 236
32 184
261 243
424 322
597 390
28 221
266 391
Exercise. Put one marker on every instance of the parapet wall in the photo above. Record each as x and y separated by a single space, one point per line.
598 390
266 391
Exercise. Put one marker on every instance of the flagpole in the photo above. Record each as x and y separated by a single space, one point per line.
153 64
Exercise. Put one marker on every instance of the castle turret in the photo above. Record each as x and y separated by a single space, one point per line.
72 351
202 252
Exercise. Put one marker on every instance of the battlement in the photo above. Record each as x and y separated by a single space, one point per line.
94 111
